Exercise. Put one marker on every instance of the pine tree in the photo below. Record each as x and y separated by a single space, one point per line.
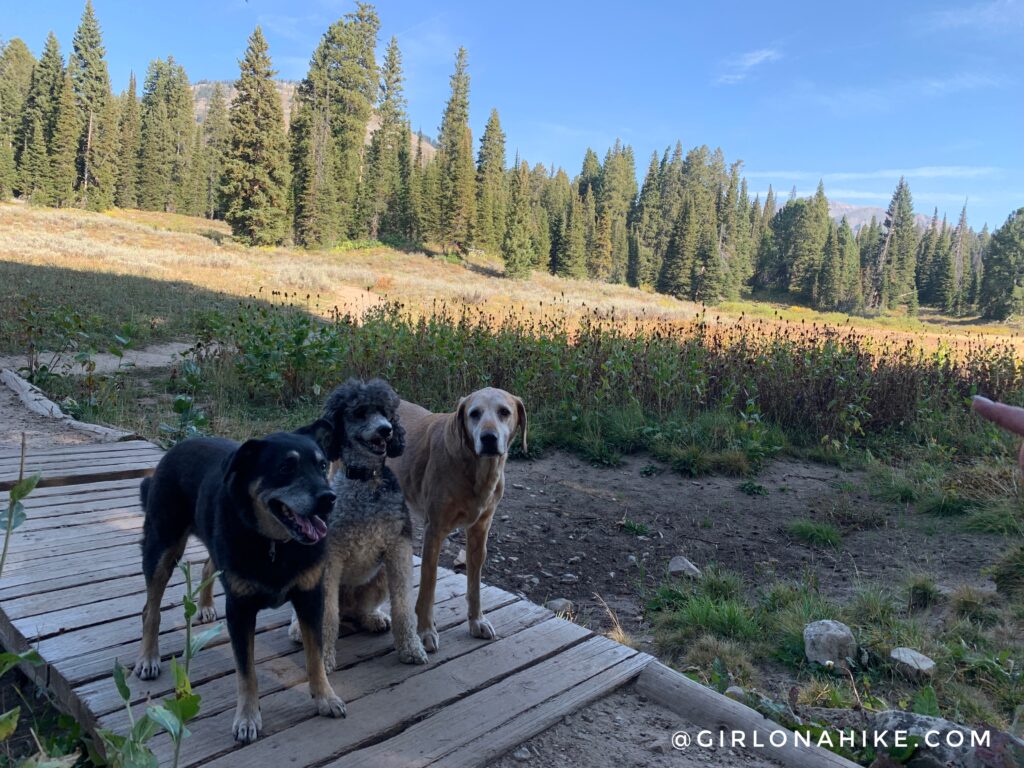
196 194
168 122
895 268
334 104
851 296
930 271
571 258
97 152
217 134
517 248
676 278
1002 284
590 176
16 64
126 194
381 178
457 171
64 149
400 219
489 232
41 108
255 183
643 221
955 289
829 287
809 235
35 168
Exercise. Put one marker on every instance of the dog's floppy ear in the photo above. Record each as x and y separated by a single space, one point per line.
521 420
322 433
239 466
335 409
396 445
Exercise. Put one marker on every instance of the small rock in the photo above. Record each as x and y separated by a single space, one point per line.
574 560
534 580
657 747
522 754
680 566
460 559
611 574
559 605
828 641
736 693
569 578
912 663
631 559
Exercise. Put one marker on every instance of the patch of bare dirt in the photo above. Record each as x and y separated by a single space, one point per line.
560 532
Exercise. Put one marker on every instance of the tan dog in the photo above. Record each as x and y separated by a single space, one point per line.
453 476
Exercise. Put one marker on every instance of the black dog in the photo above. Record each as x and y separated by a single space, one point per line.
259 508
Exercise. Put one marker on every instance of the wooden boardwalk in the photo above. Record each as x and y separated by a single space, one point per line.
73 589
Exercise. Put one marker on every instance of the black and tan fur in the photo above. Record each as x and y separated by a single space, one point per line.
259 508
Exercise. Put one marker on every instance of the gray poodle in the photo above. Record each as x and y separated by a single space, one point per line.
369 540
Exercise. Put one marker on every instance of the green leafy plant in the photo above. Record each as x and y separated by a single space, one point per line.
634 527
173 713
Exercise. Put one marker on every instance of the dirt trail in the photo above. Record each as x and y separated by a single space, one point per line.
156 356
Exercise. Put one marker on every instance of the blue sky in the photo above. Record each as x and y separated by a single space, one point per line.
855 94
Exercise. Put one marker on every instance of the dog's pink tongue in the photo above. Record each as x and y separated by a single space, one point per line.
313 528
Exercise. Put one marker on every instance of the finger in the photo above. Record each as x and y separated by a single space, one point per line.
1008 417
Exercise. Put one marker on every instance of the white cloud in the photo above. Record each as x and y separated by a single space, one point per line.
993 17
737 69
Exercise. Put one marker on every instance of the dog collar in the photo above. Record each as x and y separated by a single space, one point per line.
360 473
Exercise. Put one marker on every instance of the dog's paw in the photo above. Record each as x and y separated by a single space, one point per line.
430 640
207 614
482 628
378 621
330 706
147 668
247 726
295 631
413 652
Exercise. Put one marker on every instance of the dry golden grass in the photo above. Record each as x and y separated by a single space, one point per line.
198 256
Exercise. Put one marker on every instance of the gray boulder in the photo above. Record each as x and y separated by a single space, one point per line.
942 755
828 641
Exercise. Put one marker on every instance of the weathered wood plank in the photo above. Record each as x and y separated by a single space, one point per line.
128 562
436 736
70 493
362 666
85 552
44 542
76 449
70 477
71 519
295 735
485 748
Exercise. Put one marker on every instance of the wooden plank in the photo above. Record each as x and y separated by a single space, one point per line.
140 469
83 594
100 611
57 465
85 552
69 494
74 449
127 563
293 734
44 542
705 707
440 734
85 517
486 748
362 667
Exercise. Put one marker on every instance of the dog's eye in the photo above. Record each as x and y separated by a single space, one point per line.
504 413
323 467
289 465
359 412
475 414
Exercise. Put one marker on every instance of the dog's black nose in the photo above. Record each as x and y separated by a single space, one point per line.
326 499
384 430
489 442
